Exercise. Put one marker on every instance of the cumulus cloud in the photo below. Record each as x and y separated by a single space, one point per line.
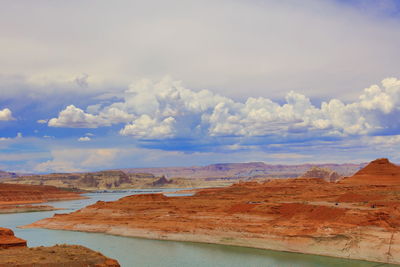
146 127
385 141
75 117
166 109
6 115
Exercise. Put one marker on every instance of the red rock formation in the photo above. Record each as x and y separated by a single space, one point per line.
24 194
378 172
350 219
59 255
8 240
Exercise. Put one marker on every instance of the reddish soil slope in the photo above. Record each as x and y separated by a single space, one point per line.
358 218
379 171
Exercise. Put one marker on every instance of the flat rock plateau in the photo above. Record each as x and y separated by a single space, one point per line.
357 217
14 252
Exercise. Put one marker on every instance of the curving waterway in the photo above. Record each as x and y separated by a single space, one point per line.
142 252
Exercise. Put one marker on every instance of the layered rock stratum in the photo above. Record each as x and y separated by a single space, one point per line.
14 252
15 197
23 194
356 218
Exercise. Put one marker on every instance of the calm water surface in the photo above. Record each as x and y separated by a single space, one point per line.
142 252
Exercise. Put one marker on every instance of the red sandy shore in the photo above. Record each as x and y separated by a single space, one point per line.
14 252
358 217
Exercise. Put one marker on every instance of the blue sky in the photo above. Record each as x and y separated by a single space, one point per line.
90 85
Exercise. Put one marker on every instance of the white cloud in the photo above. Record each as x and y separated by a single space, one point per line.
386 141
166 109
42 121
6 115
146 127
84 139
75 117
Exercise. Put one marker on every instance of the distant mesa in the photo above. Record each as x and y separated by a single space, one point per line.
380 171
214 175
322 173
162 181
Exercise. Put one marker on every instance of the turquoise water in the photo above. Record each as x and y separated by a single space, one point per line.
142 252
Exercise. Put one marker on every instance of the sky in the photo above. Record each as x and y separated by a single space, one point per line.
92 85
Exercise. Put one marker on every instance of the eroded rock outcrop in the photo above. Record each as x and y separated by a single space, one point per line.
161 182
322 173
8 239
346 219
14 252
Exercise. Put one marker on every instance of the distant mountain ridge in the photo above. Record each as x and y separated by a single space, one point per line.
4 174
239 170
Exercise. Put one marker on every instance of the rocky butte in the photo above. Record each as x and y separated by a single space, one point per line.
14 252
357 217
322 173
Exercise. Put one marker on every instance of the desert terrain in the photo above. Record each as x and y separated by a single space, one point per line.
357 217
